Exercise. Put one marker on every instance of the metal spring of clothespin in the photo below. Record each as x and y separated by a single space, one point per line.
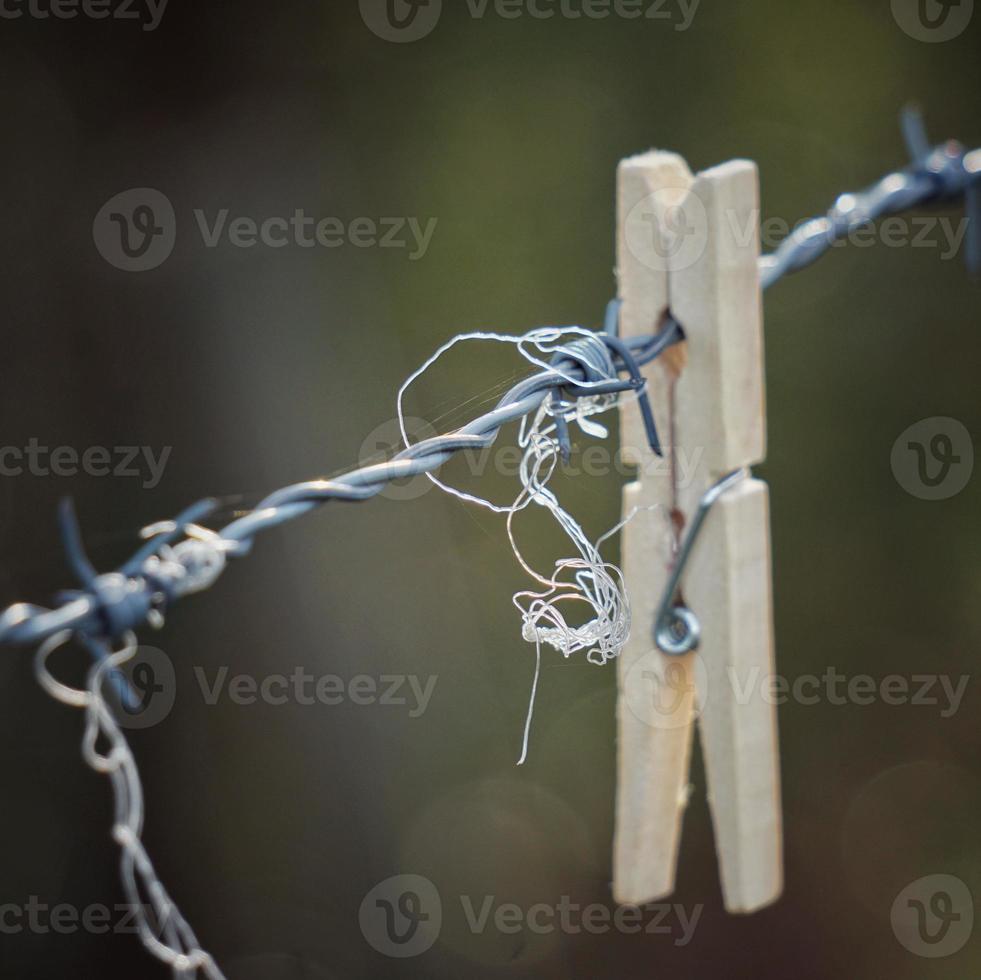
677 630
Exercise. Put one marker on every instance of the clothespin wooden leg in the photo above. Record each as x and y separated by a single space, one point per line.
729 586
710 400
721 407
654 727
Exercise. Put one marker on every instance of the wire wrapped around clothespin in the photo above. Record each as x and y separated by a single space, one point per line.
581 352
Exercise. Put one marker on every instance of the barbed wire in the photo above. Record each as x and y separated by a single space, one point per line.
182 556
162 572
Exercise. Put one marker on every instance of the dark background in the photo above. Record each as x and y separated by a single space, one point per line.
260 367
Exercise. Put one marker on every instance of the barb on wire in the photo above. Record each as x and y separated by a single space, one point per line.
946 172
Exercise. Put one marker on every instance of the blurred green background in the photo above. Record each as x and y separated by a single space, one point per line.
263 366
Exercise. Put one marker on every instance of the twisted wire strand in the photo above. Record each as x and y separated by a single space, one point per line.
164 932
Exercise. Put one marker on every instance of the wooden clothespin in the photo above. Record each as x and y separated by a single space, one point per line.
689 245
